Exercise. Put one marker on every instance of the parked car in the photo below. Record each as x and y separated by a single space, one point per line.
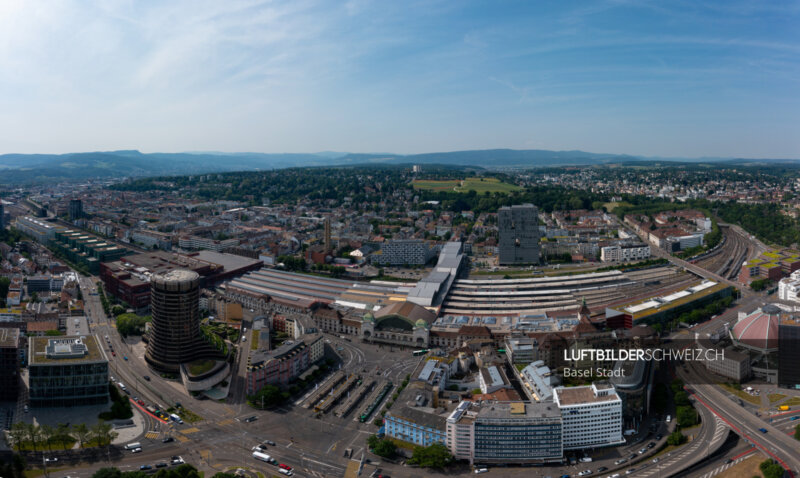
269 442
479 471
762 430
145 467
167 440
160 464
146 377
251 419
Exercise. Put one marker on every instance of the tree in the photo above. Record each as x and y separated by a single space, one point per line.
62 433
433 456
676 385
686 416
17 434
117 310
81 432
381 446
219 474
109 472
770 469
47 433
681 398
103 433
797 432
268 396
33 434
676 438
18 465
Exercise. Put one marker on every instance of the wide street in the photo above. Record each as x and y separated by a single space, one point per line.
222 438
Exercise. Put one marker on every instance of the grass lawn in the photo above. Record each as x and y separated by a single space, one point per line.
775 397
741 394
792 401
611 205
188 415
36 472
746 468
432 185
55 445
254 341
479 185
199 367
482 185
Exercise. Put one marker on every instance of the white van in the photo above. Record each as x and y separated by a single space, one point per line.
134 445
669 418
285 472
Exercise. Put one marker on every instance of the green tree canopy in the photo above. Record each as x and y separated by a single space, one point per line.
433 456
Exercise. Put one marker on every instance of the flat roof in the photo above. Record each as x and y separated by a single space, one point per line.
38 353
580 395
9 338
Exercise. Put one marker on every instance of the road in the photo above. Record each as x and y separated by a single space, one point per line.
223 439
775 443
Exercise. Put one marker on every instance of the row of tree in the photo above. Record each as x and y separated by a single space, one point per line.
27 436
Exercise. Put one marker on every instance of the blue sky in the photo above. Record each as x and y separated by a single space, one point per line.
658 78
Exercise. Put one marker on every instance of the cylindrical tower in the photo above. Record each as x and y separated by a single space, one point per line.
175 334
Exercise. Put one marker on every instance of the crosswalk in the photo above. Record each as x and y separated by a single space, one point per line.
227 421
716 471
187 431
152 435
181 438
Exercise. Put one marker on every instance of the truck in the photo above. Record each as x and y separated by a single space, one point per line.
122 387
264 457
175 418
133 446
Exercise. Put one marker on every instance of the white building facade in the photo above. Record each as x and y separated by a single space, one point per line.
592 416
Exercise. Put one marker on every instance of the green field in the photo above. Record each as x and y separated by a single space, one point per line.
479 185
611 205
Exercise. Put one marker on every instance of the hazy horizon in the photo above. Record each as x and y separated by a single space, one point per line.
645 79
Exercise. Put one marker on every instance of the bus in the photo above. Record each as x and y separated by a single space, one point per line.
783 408
417 353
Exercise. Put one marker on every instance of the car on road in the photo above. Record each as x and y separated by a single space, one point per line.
260 447
602 469
628 472
585 473
655 460
479 471
50 460
565 476
167 440
145 467
125 357
114 354
659 437
793 419
177 460
285 472
728 461
284 466
269 442
762 430
632 457
651 444
136 450
160 464
620 461
643 451
251 419
140 402
135 399
25 409
112 378
146 377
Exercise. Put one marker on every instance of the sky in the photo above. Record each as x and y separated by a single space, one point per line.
654 78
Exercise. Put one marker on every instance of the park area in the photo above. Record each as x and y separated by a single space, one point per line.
479 185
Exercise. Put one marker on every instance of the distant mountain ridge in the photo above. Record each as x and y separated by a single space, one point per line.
17 169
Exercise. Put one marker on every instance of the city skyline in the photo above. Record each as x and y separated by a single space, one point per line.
646 79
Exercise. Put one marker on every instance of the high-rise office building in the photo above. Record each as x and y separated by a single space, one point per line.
789 353
174 337
75 209
9 364
519 234
66 371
